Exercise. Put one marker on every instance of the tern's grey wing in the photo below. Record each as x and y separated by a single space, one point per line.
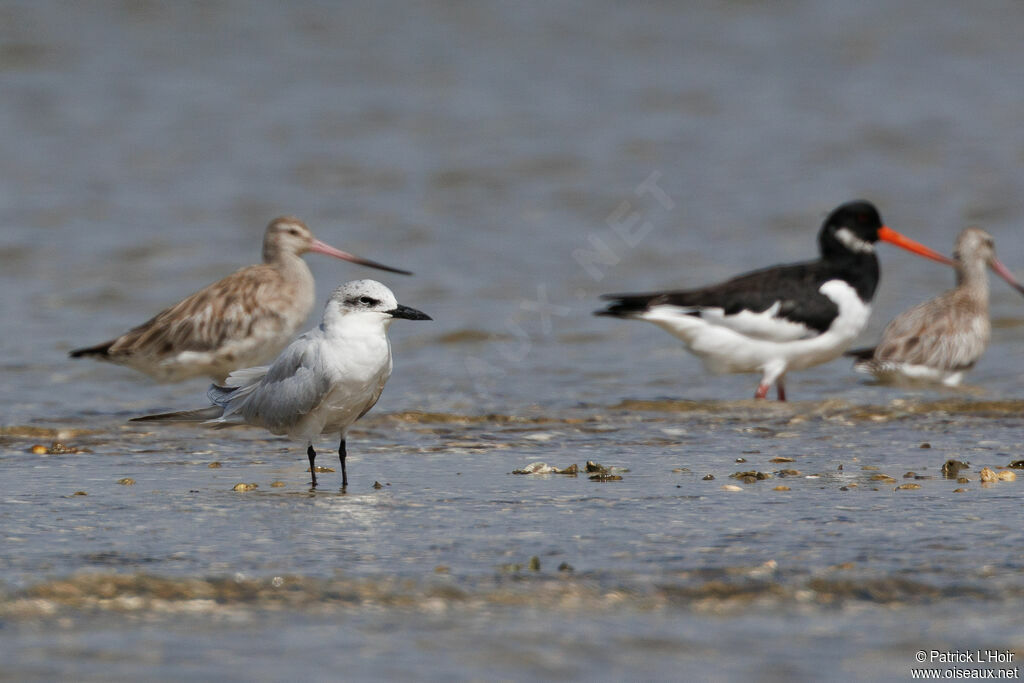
236 387
293 386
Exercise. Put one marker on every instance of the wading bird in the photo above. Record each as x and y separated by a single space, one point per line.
240 321
941 339
322 382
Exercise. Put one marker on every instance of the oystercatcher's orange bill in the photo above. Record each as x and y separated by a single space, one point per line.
887 234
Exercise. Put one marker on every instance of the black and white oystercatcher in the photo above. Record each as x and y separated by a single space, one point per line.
782 318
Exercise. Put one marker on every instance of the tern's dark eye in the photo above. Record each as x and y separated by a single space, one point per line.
362 301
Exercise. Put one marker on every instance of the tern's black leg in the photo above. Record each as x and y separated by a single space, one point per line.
341 454
312 468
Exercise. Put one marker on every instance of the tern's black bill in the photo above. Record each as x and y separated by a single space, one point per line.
408 313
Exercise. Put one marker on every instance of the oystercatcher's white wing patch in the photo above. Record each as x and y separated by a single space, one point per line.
766 325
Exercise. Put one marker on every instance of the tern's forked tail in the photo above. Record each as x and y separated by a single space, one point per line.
199 415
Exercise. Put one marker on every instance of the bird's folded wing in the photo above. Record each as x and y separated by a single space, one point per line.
245 377
929 334
779 304
233 308
293 386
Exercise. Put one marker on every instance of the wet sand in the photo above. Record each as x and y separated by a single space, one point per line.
822 537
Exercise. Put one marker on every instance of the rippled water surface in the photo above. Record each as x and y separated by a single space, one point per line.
494 150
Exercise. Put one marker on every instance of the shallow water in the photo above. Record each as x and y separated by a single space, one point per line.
145 147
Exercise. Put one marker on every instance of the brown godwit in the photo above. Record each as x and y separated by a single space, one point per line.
240 321
941 339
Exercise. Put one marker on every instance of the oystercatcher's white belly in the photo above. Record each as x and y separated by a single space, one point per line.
754 342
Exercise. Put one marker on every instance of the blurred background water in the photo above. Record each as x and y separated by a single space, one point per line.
491 148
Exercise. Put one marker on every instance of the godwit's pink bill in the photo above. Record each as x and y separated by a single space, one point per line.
322 382
243 320
782 318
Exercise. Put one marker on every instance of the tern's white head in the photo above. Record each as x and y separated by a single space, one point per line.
366 302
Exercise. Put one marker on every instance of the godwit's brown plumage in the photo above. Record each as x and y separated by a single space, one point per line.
238 322
941 339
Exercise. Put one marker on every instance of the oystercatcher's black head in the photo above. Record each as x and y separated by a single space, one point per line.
852 229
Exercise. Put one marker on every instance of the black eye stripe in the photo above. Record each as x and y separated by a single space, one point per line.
362 301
